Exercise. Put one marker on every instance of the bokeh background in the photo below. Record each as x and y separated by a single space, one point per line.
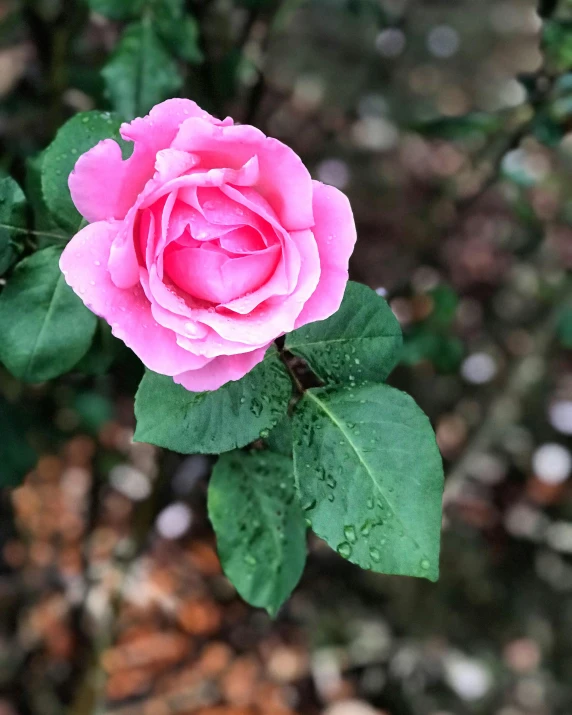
449 125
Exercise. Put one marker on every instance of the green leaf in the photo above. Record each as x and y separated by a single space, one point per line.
470 126
445 303
179 30
212 422
370 477
43 220
259 526
445 352
101 353
557 45
359 343
117 9
80 133
93 409
16 455
45 328
140 73
280 439
12 221
564 326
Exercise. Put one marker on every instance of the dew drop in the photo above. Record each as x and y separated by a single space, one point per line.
345 550
366 528
375 554
350 534
425 564
250 560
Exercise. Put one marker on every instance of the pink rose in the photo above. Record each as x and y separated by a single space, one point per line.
206 245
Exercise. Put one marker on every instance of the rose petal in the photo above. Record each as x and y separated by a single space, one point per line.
284 180
84 265
97 183
335 234
103 186
220 370
242 240
212 276
171 163
275 316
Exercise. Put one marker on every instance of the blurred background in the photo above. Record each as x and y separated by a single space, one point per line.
449 125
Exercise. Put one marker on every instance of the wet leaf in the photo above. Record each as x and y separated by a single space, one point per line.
259 525
236 414
370 477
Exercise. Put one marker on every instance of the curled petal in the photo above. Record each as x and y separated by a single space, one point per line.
171 163
284 180
103 186
335 235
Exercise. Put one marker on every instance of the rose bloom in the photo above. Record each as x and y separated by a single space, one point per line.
206 245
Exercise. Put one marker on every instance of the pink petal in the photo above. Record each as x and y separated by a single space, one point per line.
171 163
212 276
180 324
252 201
242 240
103 186
275 316
123 263
284 180
335 234
84 265
220 370
162 123
97 183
